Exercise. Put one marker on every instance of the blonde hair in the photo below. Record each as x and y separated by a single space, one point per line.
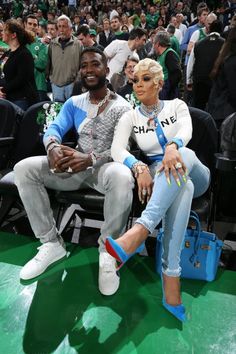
152 66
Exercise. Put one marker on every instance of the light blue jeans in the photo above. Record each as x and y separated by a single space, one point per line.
172 204
62 93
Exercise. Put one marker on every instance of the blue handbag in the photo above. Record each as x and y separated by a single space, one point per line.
200 253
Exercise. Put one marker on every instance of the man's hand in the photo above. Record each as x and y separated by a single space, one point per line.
54 156
73 160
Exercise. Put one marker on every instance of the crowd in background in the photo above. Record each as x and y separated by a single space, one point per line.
169 32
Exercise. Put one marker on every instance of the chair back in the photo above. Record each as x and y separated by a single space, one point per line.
29 138
205 137
10 117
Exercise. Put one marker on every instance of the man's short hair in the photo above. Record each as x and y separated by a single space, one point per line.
216 26
171 29
31 16
163 38
52 22
201 10
95 50
83 29
137 33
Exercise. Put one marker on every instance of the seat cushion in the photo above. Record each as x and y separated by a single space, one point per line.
88 199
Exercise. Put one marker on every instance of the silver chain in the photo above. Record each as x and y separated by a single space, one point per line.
105 99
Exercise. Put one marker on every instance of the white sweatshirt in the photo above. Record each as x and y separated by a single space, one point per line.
173 124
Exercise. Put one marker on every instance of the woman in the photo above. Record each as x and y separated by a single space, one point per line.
19 84
222 100
122 82
161 129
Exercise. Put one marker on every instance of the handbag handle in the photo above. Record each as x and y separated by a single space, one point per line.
194 216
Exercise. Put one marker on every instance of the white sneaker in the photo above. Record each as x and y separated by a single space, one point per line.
48 253
108 279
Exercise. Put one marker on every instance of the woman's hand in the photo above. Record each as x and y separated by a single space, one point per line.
172 159
145 185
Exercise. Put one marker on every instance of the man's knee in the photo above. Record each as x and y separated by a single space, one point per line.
119 176
27 168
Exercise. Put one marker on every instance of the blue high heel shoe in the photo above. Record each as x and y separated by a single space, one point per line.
178 311
116 251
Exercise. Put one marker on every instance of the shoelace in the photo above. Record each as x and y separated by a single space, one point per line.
107 263
43 252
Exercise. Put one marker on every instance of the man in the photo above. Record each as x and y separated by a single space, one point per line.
40 54
152 17
174 43
202 15
63 60
94 115
200 65
84 35
201 33
118 51
170 63
115 27
177 32
52 29
105 37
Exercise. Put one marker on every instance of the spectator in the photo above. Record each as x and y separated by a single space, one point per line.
170 63
116 29
152 17
122 82
64 60
200 65
174 43
126 91
180 25
84 35
202 15
39 52
119 50
105 37
19 84
94 115
201 33
76 23
178 34
222 100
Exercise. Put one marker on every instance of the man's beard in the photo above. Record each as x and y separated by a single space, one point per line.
100 84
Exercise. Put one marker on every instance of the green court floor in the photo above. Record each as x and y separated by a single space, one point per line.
65 313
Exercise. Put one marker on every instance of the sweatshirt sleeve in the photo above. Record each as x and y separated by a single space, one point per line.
123 131
184 124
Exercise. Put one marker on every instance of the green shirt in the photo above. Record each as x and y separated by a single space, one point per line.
39 52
